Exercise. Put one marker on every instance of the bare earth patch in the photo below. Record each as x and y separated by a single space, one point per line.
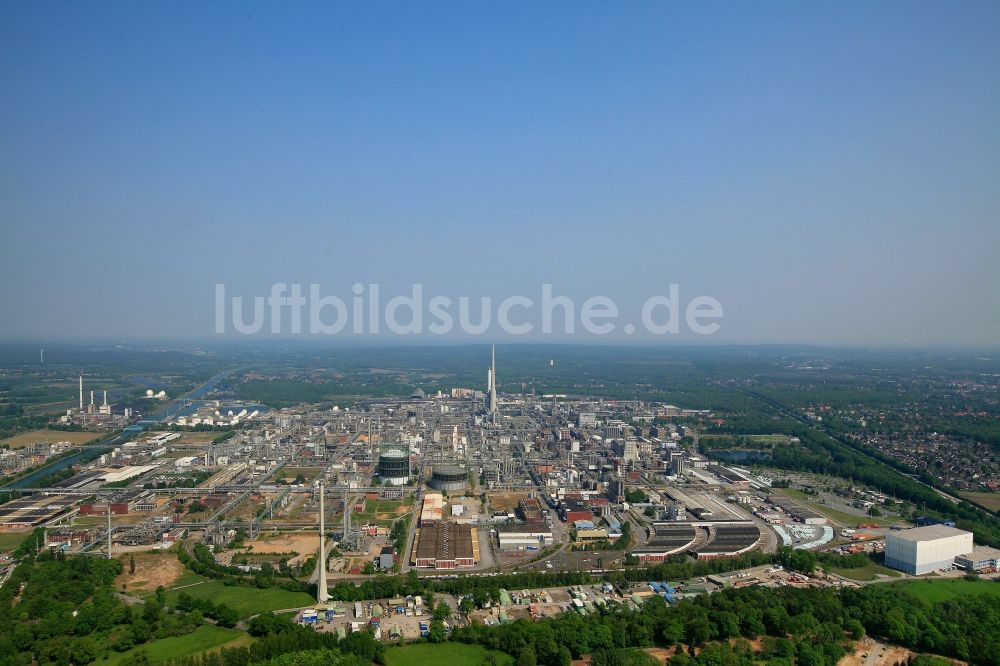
51 436
505 501
151 571
304 544
892 655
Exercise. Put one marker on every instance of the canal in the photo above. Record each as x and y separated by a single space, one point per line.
92 451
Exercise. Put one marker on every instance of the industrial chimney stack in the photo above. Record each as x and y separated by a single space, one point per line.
322 594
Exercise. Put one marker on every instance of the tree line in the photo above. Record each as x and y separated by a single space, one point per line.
807 626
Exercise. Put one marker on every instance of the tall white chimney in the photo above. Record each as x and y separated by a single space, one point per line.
322 594
493 382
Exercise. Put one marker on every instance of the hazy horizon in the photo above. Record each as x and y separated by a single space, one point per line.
828 174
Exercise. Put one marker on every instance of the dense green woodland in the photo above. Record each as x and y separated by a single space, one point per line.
803 626
64 610
813 627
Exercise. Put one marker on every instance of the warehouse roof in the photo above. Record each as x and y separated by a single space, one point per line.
599 533
791 506
927 533
533 529
669 538
445 541
978 553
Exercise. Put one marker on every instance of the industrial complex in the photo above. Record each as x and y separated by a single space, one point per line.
467 481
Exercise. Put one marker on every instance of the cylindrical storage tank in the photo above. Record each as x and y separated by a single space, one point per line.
394 466
450 478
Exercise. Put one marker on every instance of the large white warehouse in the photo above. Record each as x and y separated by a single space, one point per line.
925 549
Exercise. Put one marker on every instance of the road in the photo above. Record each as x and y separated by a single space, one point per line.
129 599
874 652
411 531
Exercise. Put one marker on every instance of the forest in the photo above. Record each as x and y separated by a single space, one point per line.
808 626
812 626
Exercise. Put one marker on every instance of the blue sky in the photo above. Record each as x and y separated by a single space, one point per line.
828 173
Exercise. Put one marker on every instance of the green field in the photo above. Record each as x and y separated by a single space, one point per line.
868 572
203 638
189 578
990 500
381 512
943 590
432 654
11 540
246 600
290 473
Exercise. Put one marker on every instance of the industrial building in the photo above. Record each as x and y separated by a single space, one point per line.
68 537
684 501
668 539
92 414
925 549
390 494
703 540
731 477
592 534
573 510
432 509
799 513
531 511
445 546
32 511
677 463
123 503
728 540
523 537
982 559
386 558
